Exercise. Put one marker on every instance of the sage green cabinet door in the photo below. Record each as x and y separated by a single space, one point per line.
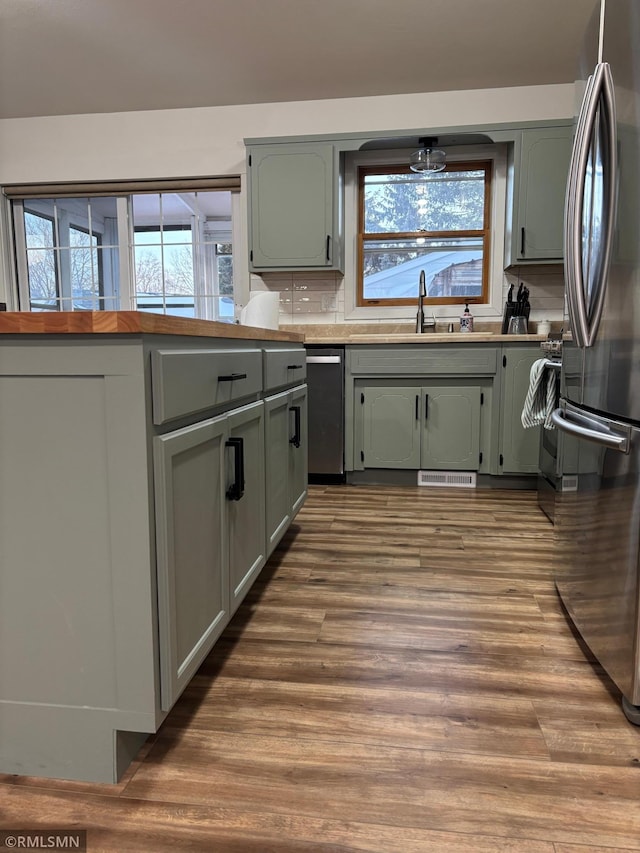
451 428
519 447
298 449
292 204
193 593
392 424
245 510
286 460
276 442
543 175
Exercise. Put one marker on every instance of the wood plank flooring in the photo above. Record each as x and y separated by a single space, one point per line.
401 679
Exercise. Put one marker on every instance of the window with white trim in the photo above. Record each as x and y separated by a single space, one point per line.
164 252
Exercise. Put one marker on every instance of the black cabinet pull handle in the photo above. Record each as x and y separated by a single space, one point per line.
417 407
231 376
426 406
522 241
296 426
294 367
236 489
328 247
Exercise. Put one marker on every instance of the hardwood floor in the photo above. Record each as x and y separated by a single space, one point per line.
400 679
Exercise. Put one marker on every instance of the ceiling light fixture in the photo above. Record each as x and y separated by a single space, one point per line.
428 158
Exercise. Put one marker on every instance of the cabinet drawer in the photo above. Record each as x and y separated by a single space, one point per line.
284 367
425 360
188 381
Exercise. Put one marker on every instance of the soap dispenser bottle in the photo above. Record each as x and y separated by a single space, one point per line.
466 321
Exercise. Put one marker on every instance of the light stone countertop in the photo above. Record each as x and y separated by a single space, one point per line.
402 333
427 339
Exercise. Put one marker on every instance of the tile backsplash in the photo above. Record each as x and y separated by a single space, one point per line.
310 297
305 297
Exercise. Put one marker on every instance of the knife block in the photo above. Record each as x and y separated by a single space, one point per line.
511 310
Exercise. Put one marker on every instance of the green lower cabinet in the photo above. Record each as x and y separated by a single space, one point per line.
392 427
245 511
193 581
451 428
210 534
519 447
429 427
298 450
285 460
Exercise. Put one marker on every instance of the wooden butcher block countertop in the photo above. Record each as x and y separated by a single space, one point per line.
130 322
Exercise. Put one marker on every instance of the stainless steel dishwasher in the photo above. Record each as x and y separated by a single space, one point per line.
325 381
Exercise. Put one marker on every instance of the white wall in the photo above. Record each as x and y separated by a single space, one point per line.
209 141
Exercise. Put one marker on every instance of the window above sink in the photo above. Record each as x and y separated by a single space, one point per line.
438 222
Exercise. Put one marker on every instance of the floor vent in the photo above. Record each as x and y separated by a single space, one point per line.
569 483
457 479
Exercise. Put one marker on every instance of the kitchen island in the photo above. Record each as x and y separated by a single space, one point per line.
148 467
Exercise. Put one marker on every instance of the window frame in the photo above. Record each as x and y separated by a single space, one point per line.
473 164
16 200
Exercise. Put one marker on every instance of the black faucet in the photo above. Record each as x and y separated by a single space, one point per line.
421 295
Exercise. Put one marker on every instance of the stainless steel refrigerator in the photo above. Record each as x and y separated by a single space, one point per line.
598 519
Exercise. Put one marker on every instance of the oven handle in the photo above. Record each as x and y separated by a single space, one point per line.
589 429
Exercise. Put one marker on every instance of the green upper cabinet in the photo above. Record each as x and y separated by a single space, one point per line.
294 207
541 166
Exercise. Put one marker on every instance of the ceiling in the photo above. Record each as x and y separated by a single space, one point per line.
61 57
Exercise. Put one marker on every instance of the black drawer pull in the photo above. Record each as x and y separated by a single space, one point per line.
296 428
294 367
231 377
236 489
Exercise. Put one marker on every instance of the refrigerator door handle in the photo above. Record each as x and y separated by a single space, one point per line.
610 186
573 218
590 429
599 101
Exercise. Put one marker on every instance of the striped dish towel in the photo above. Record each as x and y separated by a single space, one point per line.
541 396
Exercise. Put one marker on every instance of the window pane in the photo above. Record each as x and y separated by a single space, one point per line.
452 267
225 274
183 254
41 262
84 270
148 269
444 201
38 231
178 267
68 273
